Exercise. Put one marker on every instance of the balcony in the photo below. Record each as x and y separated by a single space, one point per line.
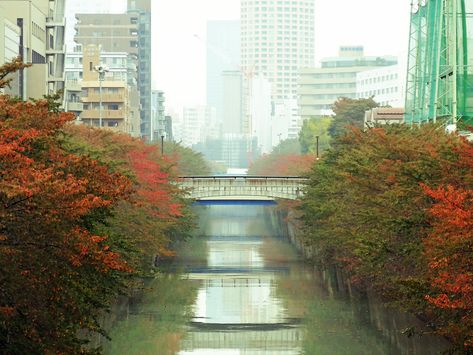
75 106
55 21
106 114
105 98
52 51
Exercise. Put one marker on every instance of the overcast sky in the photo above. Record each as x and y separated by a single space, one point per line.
381 26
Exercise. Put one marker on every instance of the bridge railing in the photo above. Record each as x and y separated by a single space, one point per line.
285 187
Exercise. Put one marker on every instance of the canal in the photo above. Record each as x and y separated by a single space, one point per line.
239 287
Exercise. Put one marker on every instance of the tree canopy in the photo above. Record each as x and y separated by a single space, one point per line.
349 112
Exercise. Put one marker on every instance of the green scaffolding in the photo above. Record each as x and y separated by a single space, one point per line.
440 62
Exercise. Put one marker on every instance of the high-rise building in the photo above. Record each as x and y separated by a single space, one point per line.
320 87
141 10
277 40
223 54
36 28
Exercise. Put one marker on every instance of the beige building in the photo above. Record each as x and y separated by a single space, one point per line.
38 27
320 87
383 116
108 100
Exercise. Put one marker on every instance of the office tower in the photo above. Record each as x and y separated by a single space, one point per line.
277 40
320 87
223 54
35 28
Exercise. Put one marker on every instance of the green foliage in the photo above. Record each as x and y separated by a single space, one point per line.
349 112
365 208
288 146
310 130
188 161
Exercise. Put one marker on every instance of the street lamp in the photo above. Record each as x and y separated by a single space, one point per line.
101 69
317 146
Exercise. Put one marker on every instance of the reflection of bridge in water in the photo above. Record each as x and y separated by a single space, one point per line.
285 338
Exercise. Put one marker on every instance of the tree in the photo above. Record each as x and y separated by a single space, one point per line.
392 205
288 146
57 272
310 130
187 161
349 112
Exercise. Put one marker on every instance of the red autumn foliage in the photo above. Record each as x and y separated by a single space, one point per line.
56 271
448 248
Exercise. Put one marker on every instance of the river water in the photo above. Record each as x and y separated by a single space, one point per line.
239 287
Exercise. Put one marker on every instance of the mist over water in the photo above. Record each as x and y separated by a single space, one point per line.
243 289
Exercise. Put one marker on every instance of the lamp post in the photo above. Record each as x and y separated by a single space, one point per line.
162 143
317 147
101 69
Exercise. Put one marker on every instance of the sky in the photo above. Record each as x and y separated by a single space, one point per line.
381 26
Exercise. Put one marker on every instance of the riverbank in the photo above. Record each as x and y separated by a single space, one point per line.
399 328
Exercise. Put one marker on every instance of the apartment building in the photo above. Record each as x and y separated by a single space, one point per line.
107 101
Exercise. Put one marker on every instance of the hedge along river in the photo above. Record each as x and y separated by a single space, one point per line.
240 287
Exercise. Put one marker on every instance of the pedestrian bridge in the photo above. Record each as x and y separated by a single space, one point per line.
243 187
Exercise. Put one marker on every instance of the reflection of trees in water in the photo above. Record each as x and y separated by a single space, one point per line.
332 324
155 325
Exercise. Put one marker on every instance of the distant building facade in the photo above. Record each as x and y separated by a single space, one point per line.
223 54
320 87
199 125
158 128
386 85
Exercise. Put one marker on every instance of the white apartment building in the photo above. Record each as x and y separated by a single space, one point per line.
36 28
199 124
386 85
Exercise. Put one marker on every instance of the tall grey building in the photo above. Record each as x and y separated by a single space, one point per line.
223 54
141 9
277 40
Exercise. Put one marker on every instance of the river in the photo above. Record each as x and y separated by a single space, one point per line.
239 287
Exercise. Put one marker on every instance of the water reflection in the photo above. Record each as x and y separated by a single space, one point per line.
244 290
